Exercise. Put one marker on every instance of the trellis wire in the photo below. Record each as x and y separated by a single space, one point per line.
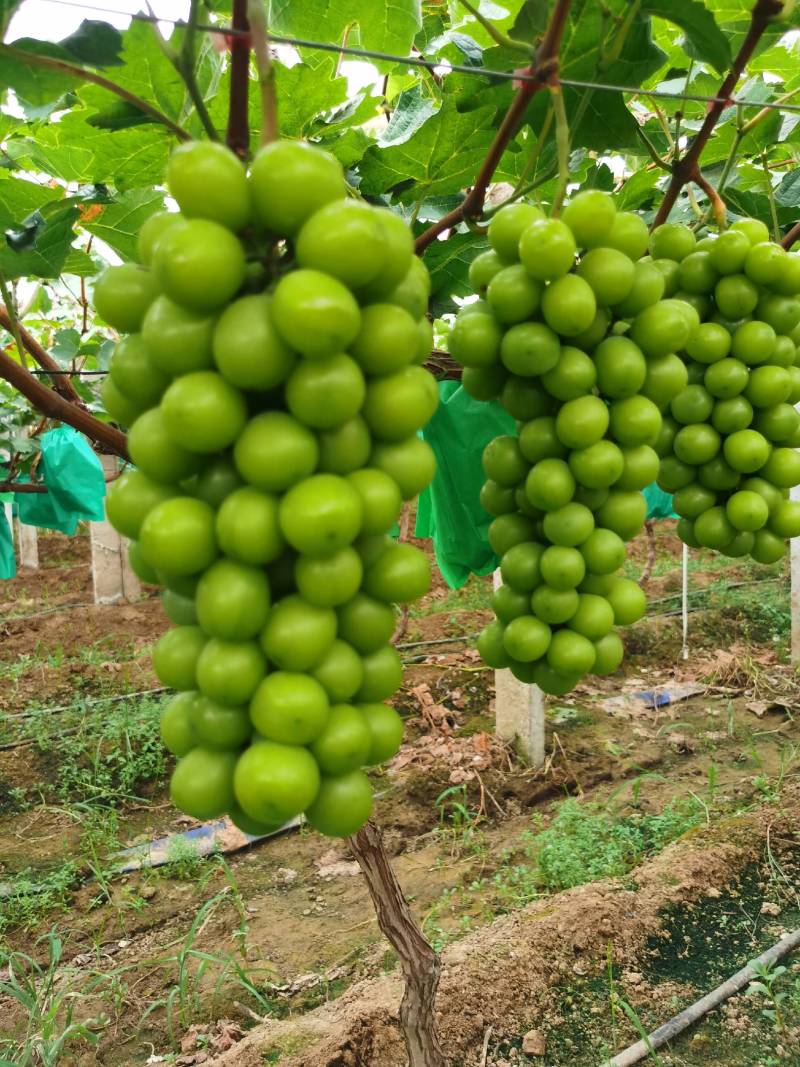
442 64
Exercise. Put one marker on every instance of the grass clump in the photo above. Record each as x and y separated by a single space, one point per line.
584 842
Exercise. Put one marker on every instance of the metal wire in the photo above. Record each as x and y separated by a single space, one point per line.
444 65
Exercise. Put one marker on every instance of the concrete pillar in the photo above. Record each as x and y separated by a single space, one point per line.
112 576
519 711
28 542
9 517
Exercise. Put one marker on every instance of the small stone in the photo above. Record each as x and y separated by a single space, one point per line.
306 911
768 908
147 892
533 1043
286 875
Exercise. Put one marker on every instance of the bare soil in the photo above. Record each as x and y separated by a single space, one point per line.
292 913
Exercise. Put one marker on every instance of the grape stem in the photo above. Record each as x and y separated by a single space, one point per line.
686 169
562 147
718 208
55 406
27 343
185 66
792 236
543 73
259 33
238 134
21 487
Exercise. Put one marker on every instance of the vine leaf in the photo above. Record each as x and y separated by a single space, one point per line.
705 39
442 157
118 224
448 262
35 87
383 27
96 43
39 247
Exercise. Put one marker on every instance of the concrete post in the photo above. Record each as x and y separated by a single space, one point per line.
9 516
112 576
519 711
28 541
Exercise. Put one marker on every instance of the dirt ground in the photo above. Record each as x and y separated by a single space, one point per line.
676 863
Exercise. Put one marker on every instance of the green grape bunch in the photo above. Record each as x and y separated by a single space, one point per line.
574 333
270 373
729 439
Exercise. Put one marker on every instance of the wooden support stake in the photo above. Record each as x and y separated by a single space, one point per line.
112 576
519 711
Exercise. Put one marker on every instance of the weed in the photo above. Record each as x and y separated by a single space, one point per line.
768 975
193 968
184 862
109 754
99 837
476 595
48 1004
457 823
34 897
582 843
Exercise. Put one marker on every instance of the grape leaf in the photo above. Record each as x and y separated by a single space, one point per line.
706 40
7 10
448 262
74 151
96 43
788 192
381 27
20 198
413 108
118 224
65 345
305 92
34 86
442 157
52 235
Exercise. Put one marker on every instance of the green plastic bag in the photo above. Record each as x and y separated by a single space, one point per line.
73 474
38 509
8 565
659 503
449 510
75 484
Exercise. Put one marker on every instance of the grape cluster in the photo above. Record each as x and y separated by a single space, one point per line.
572 334
728 441
270 373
